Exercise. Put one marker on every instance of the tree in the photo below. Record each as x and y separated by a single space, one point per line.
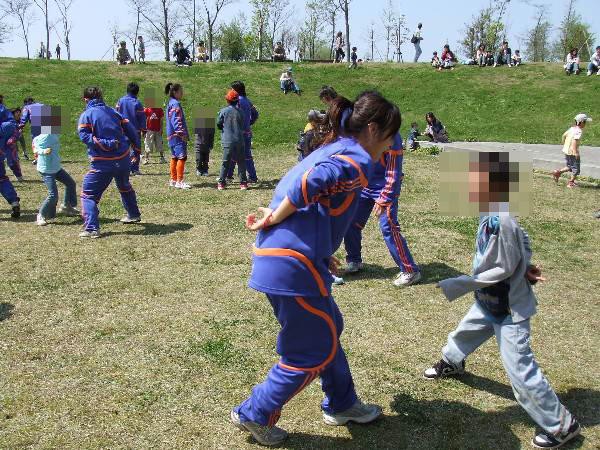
4 30
388 21
162 30
331 8
486 27
212 9
573 33
231 41
19 9
43 6
345 8
260 18
279 13
63 7
309 34
400 35
537 39
133 31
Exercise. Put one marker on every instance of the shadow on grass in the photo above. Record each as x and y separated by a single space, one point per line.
150 229
450 424
436 271
28 215
432 272
6 310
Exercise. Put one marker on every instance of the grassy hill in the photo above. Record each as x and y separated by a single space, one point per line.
534 103
147 337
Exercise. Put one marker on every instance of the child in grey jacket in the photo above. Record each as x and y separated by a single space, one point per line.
504 303
231 123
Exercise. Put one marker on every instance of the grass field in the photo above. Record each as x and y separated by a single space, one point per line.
147 337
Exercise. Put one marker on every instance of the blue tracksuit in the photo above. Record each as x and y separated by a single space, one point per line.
32 113
108 137
290 266
12 153
384 189
250 117
8 126
132 109
176 129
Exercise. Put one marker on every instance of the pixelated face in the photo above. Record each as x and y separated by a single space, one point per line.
204 118
150 98
473 183
46 119
17 115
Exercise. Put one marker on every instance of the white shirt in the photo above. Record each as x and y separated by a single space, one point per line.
595 59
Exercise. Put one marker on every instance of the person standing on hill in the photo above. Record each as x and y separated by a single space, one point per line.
132 109
416 41
339 48
57 50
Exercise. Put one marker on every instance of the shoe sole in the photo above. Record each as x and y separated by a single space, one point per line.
338 422
240 426
457 374
569 437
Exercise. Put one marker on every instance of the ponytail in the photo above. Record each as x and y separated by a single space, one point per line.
171 89
337 116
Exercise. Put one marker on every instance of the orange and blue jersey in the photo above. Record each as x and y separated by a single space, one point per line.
106 133
176 124
386 180
133 110
292 257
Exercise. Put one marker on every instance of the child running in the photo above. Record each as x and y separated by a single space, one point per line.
12 151
108 137
132 109
570 140
8 126
250 118
46 147
231 123
177 134
382 195
298 234
504 302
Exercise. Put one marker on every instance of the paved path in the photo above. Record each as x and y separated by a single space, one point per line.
543 156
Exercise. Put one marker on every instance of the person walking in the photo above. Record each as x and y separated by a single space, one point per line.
416 41
57 50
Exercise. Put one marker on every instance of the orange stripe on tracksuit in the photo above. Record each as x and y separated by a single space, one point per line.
309 347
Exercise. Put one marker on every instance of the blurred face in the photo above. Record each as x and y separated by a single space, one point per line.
373 142
179 94
17 115
598 51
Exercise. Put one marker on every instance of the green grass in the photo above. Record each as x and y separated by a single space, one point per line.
147 337
533 104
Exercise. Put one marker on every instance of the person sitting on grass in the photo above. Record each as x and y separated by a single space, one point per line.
516 58
182 56
489 58
594 66
435 61
123 56
572 62
411 140
571 140
448 59
505 302
435 129
279 53
480 55
201 55
287 82
312 135
504 56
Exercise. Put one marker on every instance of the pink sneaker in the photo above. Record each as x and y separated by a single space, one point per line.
220 186
243 186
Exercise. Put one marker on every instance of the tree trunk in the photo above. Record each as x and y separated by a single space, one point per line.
347 18
210 42
194 31
331 51
260 39
25 35
166 31
47 32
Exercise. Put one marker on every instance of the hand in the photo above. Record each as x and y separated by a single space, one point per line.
334 265
379 209
253 223
47 151
534 274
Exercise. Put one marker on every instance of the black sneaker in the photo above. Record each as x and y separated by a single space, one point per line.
16 210
443 369
548 440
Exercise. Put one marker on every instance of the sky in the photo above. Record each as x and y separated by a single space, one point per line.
443 22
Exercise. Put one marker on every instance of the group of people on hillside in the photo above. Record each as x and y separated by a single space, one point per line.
573 63
45 53
181 54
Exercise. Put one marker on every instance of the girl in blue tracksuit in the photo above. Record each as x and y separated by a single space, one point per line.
177 135
132 109
8 125
108 137
382 194
302 228
250 117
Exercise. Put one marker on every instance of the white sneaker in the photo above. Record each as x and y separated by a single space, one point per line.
269 436
359 413
182 185
69 211
129 220
338 281
407 278
589 73
95 234
41 221
172 183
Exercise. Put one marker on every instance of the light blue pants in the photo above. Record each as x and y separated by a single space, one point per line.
418 51
531 389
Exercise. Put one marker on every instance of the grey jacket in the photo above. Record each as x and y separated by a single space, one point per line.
506 258
231 123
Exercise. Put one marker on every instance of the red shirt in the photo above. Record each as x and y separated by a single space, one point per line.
154 118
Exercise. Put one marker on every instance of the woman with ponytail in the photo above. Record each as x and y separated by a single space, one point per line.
298 234
177 135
